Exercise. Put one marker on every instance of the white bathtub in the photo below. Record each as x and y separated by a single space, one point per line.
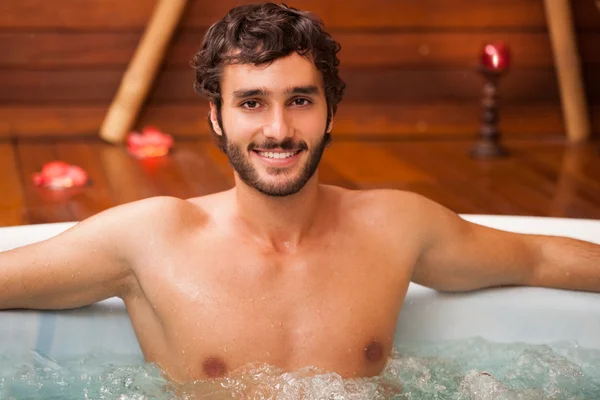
532 315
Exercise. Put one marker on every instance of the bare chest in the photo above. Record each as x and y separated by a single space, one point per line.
334 309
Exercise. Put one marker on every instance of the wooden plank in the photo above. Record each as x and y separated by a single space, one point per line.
587 45
371 165
574 169
418 85
124 175
516 179
425 157
586 15
43 205
330 175
186 172
352 119
457 174
199 170
59 86
44 120
114 14
578 179
72 50
574 189
62 50
364 84
443 49
443 119
423 172
12 201
164 177
72 14
219 160
96 197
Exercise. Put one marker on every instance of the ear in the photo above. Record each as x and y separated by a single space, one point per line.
330 126
213 119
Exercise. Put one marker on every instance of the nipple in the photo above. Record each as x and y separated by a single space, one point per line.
214 367
374 351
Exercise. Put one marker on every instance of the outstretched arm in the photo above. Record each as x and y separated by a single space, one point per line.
458 255
75 268
87 263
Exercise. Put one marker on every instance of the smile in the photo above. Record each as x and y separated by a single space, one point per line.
271 154
279 159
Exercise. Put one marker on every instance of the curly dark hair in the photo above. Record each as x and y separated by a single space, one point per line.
259 34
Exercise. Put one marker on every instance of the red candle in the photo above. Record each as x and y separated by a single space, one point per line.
495 56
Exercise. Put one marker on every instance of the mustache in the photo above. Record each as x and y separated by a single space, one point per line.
287 144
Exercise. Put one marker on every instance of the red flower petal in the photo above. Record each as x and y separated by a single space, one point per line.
78 175
59 174
55 168
151 143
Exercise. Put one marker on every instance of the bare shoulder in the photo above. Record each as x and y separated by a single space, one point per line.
387 204
390 213
125 227
153 212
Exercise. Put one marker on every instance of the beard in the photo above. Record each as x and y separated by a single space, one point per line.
239 160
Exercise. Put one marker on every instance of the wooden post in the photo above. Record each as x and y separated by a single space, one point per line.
566 59
141 71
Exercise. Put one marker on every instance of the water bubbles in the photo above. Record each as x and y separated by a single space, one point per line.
482 385
268 382
455 370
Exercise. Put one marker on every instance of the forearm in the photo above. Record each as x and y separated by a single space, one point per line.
567 264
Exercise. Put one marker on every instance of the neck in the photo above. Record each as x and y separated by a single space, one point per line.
278 222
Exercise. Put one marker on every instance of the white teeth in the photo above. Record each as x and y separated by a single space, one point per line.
270 154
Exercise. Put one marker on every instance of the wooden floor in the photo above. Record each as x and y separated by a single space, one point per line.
543 178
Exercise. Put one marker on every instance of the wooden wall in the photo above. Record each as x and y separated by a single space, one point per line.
409 65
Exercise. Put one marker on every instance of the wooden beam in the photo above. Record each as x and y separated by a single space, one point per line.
562 37
140 74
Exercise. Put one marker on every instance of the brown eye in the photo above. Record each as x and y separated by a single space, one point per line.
301 102
251 104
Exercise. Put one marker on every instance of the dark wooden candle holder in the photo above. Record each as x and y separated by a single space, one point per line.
488 144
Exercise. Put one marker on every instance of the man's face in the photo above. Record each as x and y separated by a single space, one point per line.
274 123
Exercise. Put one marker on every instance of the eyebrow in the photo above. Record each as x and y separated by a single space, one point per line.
243 93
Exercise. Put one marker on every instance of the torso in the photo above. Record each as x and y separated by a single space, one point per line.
211 301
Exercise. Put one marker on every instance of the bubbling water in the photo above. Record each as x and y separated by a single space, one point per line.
471 369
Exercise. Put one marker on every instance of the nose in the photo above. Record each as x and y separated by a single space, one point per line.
279 125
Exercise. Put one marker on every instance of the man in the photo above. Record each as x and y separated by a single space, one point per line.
279 269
